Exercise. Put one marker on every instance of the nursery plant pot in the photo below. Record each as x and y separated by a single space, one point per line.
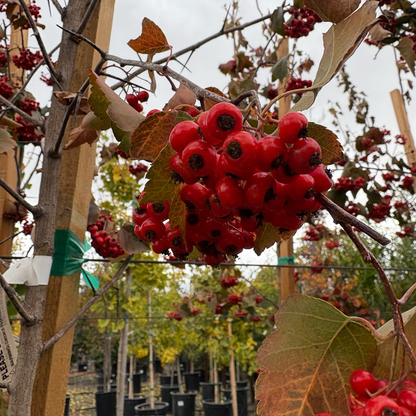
130 404
145 410
136 383
217 409
67 402
192 381
242 383
164 380
165 395
183 404
241 399
82 366
105 403
100 382
208 392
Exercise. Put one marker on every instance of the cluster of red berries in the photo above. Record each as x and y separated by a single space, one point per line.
314 233
234 299
375 396
3 57
122 154
407 231
103 243
298 83
234 183
315 267
174 315
389 177
28 105
240 314
6 89
407 182
379 212
27 59
229 281
46 80
347 184
27 227
140 168
302 22
34 10
352 209
135 100
331 244
28 132
400 139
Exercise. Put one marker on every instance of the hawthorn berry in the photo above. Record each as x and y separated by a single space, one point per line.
200 157
223 119
182 134
240 148
142 96
229 193
304 156
292 126
194 196
363 383
407 398
381 406
152 229
271 153
181 173
322 178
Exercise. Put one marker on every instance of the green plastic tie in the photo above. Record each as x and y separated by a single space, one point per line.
68 257
286 260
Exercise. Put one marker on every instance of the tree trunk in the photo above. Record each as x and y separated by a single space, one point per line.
107 363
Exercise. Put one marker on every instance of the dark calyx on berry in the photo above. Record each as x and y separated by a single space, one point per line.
192 219
279 161
225 122
150 235
177 241
176 178
315 159
303 132
158 207
234 150
270 195
196 162
141 210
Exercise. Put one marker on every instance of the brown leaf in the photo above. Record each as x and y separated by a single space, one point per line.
340 42
129 241
267 235
66 97
93 212
210 103
9 122
151 41
405 47
377 33
331 147
152 135
332 10
80 135
183 95
6 141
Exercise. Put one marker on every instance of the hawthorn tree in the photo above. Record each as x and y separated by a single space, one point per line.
231 126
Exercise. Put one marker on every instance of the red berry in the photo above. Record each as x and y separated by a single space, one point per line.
194 196
182 134
158 210
160 246
223 119
229 193
284 220
142 96
271 153
236 170
292 126
259 189
181 173
322 178
240 148
152 229
232 242
151 112
200 157
304 156
381 406
363 382
300 188
132 99
407 398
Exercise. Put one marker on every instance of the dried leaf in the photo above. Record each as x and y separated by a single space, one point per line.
6 141
267 235
66 97
93 212
383 366
129 241
328 140
152 135
183 95
405 47
307 361
6 121
177 212
106 104
332 10
160 187
210 103
340 42
80 135
377 33
151 41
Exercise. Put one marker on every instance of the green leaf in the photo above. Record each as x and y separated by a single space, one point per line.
151 136
405 47
340 42
160 187
383 366
279 70
307 361
278 21
328 140
177 212
267 235
332 10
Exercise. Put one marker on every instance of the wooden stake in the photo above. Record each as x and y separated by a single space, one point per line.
232 370
216 386
404 127
72 212
151 366
131 389
285 250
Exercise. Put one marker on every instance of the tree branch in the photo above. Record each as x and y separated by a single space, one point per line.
9 237
58 7
22 308
36 33
25 116
53 340
407 295
340 216
88 15
36 211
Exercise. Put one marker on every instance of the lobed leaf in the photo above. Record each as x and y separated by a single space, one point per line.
405 47
210 103
148 139
6 141
183 95
267 235
177 212
340 42
160 187
328 140
307 361
332 10
386 348
151 41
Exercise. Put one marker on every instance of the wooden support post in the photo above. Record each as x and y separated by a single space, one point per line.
72 211
232 370
151 363
404 127
287 275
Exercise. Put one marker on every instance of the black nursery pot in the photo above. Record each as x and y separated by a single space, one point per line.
164 380
105 403
137 385
67 402
183 404
192 381
144 409
217 409
165 391
207 391
130 404
241 399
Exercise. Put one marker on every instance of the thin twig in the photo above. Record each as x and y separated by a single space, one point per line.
58 7
53 340
87 16
20 305
24 186
340 216
36 33
407 295
4 264
367 324
36 211
365 253
9 237
24 115
195 46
